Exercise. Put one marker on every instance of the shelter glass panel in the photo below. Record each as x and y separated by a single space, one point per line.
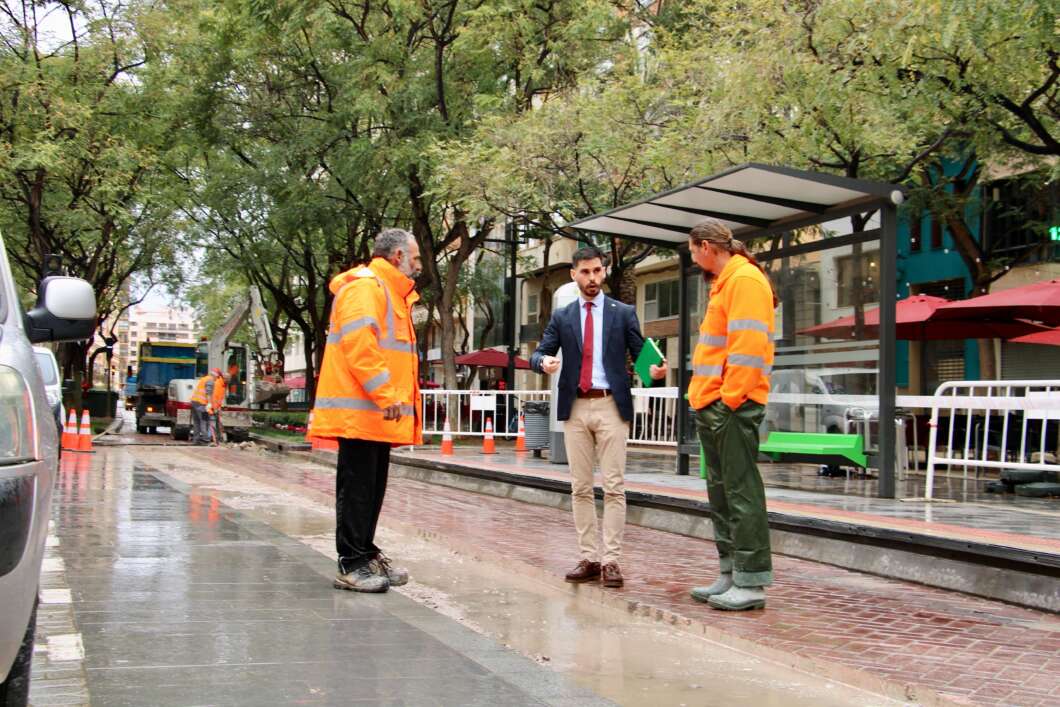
825 370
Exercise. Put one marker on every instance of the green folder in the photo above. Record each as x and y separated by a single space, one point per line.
649 356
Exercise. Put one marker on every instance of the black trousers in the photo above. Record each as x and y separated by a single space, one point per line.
360 484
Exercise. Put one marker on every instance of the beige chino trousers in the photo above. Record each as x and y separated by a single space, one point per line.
595 433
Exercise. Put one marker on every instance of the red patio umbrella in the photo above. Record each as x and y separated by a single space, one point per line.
490 358
915 321
1049 337
1038 302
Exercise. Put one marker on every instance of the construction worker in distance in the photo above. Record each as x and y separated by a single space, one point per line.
217 402
202 404
368 398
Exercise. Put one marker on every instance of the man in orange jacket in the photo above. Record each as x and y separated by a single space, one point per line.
729 390
368 398
204 400
217 402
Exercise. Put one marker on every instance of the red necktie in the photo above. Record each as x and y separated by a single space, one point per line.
585 382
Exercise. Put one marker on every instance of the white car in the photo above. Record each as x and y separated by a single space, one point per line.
53 380
29 453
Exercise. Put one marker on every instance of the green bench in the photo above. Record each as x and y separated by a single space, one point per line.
816 448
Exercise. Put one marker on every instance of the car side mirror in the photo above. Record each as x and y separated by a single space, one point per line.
65 311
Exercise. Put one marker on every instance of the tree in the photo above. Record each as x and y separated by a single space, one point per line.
905 93
80 148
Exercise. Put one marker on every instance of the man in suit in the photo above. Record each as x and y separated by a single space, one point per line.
595 333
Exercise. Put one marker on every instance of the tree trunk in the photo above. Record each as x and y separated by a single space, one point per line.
544 301
308 344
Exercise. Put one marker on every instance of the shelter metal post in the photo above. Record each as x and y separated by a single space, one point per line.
510 291
682 364
887 379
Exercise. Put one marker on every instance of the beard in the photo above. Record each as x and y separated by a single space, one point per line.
407 268
589 291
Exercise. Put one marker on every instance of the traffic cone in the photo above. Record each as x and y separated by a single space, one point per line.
69 441
488 447
447 439
520 438
84 435
314 443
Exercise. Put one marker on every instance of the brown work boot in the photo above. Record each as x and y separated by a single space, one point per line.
612 575
585 572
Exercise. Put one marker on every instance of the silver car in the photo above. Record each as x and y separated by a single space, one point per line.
29 453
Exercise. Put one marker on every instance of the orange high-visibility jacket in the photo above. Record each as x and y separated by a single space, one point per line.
209 390
370 360
203 390
734 355
219 392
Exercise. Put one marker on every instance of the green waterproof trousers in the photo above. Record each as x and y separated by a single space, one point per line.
737 496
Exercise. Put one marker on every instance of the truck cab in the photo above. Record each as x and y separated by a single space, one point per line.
160 363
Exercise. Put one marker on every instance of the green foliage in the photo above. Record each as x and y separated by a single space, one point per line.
273 417
81 147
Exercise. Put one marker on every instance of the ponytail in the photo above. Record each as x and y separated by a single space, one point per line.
717 234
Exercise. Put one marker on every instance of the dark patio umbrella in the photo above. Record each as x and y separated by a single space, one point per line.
915 321
490 358
1038 302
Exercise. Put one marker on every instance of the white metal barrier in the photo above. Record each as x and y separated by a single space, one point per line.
654 412
986 406
468 410
655 416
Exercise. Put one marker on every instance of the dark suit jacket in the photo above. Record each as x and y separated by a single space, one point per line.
621 334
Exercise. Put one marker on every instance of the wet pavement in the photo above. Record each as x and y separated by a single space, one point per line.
178 599
183 576
906 640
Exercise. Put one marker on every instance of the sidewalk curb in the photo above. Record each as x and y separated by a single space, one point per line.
277 446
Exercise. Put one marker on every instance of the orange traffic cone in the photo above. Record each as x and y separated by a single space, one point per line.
69 441
520 437
447 439
488 447
84 435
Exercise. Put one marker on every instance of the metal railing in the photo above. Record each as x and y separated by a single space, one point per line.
981 418
655 416
468 410
654 412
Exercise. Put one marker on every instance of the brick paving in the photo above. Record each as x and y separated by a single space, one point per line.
964 648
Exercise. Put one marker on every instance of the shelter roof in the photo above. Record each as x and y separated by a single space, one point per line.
752 200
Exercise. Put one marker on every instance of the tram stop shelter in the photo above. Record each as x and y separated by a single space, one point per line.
799 226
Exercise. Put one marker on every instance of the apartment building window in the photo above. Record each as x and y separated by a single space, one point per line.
916 231
532 308
936 234
846 274
661 300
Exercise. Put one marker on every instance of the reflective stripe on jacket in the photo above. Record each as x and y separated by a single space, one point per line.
370 360
734 355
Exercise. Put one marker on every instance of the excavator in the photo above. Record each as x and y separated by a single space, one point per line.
249 386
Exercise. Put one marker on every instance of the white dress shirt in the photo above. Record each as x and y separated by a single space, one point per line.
599 377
